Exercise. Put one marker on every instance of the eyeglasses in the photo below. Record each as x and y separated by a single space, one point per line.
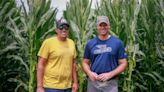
63 27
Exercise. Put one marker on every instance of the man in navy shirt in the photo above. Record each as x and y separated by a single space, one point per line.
104 59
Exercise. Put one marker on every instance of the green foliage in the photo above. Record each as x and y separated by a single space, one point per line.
12 64
138 23
25 33
150 37
80 16
123 21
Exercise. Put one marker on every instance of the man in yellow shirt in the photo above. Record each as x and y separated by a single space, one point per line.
56 68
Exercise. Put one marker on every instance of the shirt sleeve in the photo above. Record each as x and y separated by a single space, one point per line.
121 53
87 52
44 50
75 54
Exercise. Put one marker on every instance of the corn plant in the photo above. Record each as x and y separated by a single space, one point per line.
139 23
133 21
35 26
12 64
150 37
80 16
123 19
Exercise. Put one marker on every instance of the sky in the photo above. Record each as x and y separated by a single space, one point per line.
60 4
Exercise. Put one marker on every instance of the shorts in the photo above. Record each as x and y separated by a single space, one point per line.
102 86
57 90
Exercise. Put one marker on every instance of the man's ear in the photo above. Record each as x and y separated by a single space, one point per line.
109 26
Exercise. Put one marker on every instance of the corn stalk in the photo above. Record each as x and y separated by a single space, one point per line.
137 23
150 37
36 25
123 18
12 64
79 14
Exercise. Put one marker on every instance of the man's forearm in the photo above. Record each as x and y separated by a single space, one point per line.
40 72
74 73
40 77
107 76
122 66
86 67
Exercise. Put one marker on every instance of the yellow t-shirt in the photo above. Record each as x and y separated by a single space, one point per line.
59 55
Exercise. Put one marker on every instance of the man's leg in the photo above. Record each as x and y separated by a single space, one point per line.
92 86
111 87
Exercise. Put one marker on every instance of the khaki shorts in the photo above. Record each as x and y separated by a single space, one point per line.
105 86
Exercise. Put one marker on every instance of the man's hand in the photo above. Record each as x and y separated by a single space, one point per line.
93 76
86 67
105 76
75 87
40 89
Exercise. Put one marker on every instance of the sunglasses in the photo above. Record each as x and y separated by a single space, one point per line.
63 27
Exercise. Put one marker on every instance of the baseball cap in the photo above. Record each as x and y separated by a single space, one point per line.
102 19
61 22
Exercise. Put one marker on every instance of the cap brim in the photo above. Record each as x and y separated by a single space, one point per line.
64 24
102 22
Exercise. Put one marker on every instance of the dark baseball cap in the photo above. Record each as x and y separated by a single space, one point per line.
61 22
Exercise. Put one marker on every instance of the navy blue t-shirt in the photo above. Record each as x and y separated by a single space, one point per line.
104 54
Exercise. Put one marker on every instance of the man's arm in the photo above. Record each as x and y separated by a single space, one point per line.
86 67
40 74
121 67
74 75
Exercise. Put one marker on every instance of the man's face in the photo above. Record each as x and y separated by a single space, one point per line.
103 29
62 31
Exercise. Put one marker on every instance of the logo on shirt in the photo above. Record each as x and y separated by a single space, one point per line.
102 49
